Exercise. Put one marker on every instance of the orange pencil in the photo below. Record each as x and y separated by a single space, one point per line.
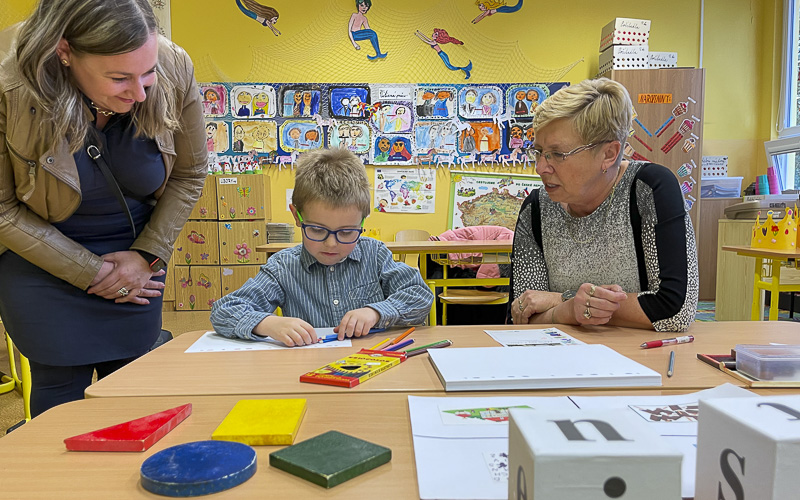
401 337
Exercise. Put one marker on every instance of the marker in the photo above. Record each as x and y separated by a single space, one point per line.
671 366
424 348
402 344
379 344
404 335
659 343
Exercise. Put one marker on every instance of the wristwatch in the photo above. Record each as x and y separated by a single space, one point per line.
568 295
156 263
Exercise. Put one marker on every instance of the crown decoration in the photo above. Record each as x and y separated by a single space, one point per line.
780 235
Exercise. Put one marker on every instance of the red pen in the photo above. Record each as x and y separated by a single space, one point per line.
659 343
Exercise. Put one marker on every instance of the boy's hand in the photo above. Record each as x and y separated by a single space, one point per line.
357 322
290 331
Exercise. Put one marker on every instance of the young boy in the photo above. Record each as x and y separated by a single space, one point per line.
335 278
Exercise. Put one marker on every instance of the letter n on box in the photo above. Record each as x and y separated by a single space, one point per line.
749 448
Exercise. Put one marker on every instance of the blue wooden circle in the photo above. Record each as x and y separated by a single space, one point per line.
198 468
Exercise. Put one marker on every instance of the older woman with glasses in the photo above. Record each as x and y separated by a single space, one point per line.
605 241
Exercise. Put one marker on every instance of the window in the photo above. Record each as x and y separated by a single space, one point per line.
782 153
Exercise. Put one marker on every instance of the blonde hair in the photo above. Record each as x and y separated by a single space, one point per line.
600 110
335 177
490 4
108 27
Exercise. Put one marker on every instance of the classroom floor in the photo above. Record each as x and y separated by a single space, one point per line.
11 411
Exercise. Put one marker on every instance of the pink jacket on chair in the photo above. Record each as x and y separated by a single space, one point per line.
476 233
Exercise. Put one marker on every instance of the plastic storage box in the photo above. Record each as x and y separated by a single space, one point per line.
721 187
769 362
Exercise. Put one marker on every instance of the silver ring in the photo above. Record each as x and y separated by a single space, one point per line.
123 292
591 291
587 314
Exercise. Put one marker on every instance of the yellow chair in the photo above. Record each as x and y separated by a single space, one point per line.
21 380
411 235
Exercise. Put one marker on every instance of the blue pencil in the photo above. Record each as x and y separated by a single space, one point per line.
335 336
399 346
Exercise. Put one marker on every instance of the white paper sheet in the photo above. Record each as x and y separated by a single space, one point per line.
213 342
535 337
461 457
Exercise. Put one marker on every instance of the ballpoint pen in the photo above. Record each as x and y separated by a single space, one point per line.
659 343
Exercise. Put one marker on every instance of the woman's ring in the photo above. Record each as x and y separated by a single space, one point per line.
587 302
520 305
587 314
123 291
591 291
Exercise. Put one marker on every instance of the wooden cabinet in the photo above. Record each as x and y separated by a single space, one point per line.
198 244
238 241
241 197
713 213
233 277
196 287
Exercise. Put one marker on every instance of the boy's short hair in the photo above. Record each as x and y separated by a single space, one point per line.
335 177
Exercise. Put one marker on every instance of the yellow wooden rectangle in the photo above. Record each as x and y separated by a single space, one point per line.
241 197
238 241
206 206
233 277
198 244
262 422
196 287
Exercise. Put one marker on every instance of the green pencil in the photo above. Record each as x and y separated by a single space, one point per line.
440 343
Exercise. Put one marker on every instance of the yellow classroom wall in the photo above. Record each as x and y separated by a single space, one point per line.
741 55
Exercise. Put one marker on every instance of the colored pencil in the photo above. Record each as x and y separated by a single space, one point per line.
432 344
396 347
376 346
330 338
404 335
423 349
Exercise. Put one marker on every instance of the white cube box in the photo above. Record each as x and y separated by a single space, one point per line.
625 31
662 60
588 454
624 57
749 448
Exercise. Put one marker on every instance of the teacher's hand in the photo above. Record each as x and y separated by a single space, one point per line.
532 302
595 304
129 279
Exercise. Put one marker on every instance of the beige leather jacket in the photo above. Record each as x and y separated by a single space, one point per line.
39 182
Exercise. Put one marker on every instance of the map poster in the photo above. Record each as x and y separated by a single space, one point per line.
488 199
405 190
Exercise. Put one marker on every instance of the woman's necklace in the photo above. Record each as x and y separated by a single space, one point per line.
102 111
568 219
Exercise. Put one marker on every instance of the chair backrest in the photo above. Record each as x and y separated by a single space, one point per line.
412 235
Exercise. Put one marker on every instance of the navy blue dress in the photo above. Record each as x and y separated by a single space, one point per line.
55 323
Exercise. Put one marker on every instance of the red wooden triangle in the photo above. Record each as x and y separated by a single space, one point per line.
136 435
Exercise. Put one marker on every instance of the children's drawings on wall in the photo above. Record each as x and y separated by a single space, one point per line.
258 136
352 135
492 7
441 36
436 103
405 190
386 124
479 199
300 136
358 30
300 101
391 150
349 102
215 100
480 102
262 14
253 101
392 117
523 99
216 136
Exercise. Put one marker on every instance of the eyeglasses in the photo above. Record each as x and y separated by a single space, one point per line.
555 157
344 236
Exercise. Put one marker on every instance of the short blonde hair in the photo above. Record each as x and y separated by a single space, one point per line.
600 110
335 177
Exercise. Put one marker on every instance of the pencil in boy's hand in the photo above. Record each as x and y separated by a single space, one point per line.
329 338
424 348
399 346
404 335
379 344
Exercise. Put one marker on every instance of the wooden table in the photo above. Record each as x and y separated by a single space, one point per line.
36 464
775 258
169 371
443 252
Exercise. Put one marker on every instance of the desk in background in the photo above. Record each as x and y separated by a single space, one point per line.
169 371
773 259
495 251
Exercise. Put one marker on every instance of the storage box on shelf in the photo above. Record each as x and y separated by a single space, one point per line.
625 31
215 252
